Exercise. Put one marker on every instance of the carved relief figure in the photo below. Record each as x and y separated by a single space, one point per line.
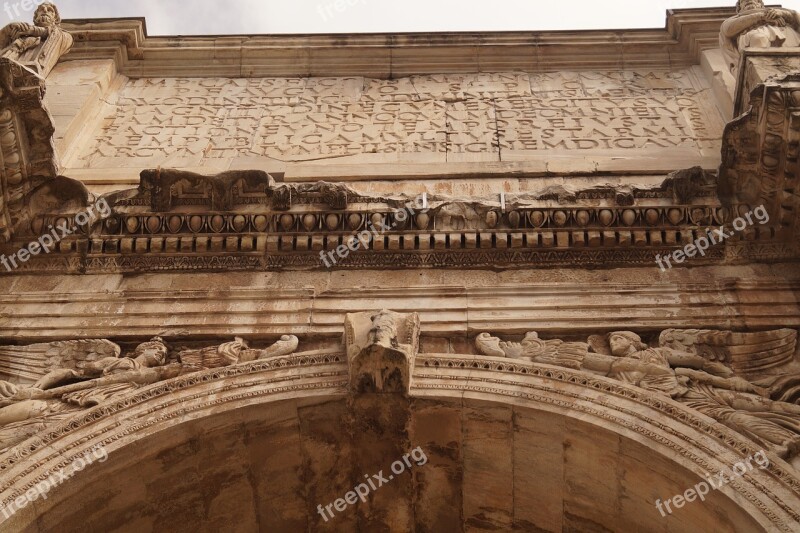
37 46
706 386
71 375
532 348
147 355
758 26
85 381
711 390
231 353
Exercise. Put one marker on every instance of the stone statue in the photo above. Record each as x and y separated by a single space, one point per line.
758 26
37 46
706 386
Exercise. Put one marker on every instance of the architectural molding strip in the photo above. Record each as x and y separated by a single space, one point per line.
132 309
687 34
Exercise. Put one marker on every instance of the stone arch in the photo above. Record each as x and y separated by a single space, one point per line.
605 430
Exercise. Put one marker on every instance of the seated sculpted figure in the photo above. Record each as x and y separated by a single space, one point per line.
756 26
37 46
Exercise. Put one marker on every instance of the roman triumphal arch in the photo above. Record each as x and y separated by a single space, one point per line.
532 281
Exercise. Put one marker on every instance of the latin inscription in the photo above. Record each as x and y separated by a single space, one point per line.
307 118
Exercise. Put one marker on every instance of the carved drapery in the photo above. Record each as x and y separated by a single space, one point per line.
691 367
37 46
757 26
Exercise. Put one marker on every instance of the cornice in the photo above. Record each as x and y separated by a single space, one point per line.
688 32
243 220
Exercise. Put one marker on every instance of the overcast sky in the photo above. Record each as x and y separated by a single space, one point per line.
197 17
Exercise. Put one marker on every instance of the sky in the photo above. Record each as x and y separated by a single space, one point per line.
213 17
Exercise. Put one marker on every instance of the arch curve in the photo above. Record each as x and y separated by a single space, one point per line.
481 422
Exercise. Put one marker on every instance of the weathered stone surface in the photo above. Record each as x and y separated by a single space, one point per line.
381 348
37 46
756 26
187 123
233 457
277 316
690 367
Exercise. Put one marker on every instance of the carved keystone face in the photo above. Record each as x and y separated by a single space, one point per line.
46 15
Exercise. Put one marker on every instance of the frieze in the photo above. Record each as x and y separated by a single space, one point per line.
700 368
